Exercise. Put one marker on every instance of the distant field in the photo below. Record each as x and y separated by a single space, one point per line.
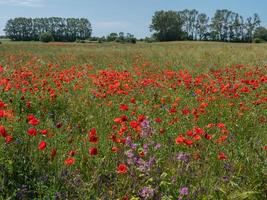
178 120
190 54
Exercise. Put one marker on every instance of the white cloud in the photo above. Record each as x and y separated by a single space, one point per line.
28 3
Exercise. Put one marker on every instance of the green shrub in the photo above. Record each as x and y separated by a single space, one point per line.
80 41
46 37
149 40
258 40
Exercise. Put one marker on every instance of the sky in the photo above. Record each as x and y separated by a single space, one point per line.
129 16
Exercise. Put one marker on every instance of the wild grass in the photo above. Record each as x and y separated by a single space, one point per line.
171 94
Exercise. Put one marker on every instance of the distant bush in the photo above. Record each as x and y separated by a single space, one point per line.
130 40
149 40
0 42
133 40
80 41
101 39
94 39
121 38
46 37
112 37
258 40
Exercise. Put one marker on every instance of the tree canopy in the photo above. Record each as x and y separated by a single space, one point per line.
261 33
167 26
62 29
225 25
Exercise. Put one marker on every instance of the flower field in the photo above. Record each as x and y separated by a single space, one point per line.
147 121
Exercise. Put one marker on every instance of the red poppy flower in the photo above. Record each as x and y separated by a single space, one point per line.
124 107
134 124
179 139
44 132
188 142
221 125
189 133
122 169
222 156
133 100
186 111
93 151
42 145
32 132
2 113
197 137
92 132
93 139
114 149
141 153
221 139
124 118
32 120
53 153
208 137
158 120
141 118
69 161
172 110
3 131
8 139
118 120
2 104
198 130
92 136
125 198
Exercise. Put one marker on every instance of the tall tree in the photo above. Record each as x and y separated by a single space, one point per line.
260 33
251 25
202 26
167 26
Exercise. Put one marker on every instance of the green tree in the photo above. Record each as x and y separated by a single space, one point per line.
167 26
190 22
220 25
251 25
260 33
46 37
62 29
112 37
202 26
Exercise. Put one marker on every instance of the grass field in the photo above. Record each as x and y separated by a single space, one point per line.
179 120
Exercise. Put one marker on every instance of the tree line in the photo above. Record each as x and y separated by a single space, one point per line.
225 25
120 37
61 29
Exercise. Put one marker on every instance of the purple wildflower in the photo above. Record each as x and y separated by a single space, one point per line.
184 191
147 192
146 128
183 157
157 146
129 154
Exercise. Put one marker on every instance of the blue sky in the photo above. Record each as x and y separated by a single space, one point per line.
133 16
